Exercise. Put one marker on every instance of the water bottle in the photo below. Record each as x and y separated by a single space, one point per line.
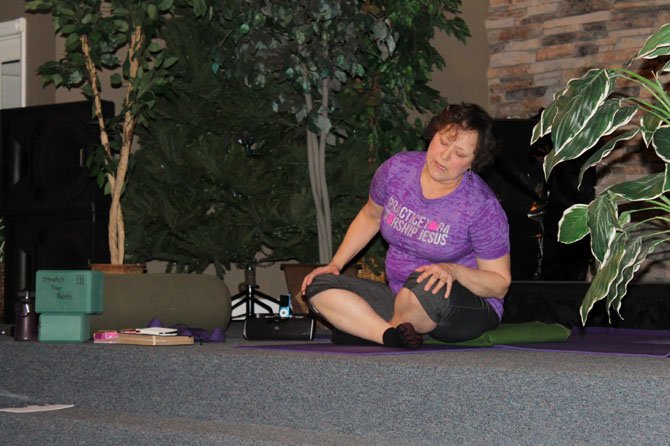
26 318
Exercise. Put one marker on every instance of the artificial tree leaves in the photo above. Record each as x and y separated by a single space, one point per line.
225 160
310 48
319 51
247 77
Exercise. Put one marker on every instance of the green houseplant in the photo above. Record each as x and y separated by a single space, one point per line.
216 182
223 173
116 35
325 55
595 113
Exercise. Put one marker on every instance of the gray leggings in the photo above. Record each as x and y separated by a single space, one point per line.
461 317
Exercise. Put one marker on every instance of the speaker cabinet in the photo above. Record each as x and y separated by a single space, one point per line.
44 151
645 306
55 214
53 241
534 206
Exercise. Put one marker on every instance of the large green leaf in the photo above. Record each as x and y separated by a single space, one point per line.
645 188
573 106
605 120
630 268
582 99
39 5
658 40
649 123
547 116
605 277
624 275
573 225
602 222
603 151
661 143
658 52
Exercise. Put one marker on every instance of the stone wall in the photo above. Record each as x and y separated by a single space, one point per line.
537 46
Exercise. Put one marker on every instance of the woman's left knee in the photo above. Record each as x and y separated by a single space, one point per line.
322 283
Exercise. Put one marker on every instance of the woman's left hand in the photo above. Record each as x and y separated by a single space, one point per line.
438 276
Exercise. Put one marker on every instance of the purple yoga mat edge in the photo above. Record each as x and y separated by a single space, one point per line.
585 340
583 352
364 350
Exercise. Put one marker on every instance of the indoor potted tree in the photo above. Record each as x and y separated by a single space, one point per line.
223 173
349 73
375 57
98 34
628 220
253 107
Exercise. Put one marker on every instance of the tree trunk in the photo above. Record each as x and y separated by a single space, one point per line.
116 180
316 159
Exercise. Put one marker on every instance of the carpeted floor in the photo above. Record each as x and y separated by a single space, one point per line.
223 394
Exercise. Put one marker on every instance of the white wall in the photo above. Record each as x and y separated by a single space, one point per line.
13 63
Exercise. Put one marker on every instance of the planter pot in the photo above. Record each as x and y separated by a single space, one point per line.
108 268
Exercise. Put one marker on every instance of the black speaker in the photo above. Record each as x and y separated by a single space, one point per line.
534 206
44 151
55 214
645 305
299 327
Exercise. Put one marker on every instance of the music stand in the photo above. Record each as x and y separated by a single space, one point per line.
250 296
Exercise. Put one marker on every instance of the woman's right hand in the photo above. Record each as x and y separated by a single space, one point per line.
326 269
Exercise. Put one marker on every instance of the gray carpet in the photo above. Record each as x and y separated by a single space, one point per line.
220 394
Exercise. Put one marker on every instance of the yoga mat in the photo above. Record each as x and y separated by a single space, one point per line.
608 341
522 333
589 340
505 333
334 349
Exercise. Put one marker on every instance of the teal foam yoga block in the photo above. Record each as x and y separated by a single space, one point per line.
64 327
69 291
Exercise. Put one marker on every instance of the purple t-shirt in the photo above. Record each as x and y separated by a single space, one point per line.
468 223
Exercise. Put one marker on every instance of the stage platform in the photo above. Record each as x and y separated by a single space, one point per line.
646 305
229 394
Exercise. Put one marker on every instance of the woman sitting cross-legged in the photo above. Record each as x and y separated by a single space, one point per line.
448 264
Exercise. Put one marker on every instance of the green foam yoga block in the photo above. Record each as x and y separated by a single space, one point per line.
64 328
69 291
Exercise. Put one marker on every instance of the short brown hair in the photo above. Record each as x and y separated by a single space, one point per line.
467 116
